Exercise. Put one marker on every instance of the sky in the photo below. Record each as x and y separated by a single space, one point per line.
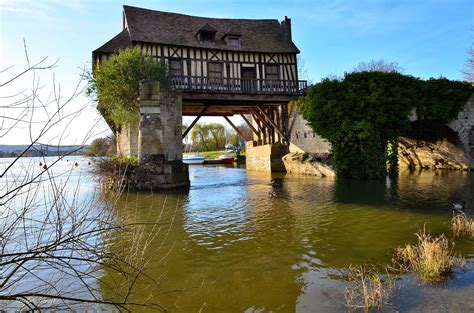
426 38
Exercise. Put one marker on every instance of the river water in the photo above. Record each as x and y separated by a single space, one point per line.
242 241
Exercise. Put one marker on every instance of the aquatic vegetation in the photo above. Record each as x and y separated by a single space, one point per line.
431 257
462 225
367 289
124 160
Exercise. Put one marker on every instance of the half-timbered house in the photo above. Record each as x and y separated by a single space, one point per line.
221 66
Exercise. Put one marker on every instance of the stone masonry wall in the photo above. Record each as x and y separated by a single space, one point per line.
302 137
160 123
156 140
127 141
463 125
265 158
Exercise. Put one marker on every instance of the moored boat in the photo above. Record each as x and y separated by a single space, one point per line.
193 159
226 159
213 161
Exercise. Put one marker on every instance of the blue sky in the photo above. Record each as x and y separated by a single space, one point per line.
426 38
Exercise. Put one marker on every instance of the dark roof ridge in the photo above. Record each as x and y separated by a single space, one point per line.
204 17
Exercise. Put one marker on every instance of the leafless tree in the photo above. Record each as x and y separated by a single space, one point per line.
468 70
379 65
55 237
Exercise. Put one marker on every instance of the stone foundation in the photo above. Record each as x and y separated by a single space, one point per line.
442 154
156 141
266 158
308 164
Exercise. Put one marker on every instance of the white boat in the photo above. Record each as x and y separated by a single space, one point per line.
193 159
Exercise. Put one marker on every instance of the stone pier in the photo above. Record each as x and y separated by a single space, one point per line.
266 158
156 140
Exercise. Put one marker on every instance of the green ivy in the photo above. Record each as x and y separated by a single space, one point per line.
363 112
115 82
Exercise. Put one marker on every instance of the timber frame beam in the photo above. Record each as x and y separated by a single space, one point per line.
236 129
195 121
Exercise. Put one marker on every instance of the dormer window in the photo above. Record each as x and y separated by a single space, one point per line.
233 42
232 37
207 37
207 34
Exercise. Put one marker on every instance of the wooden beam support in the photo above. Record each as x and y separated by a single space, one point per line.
272 123
195 121
236 129
261 117
261 128
251 126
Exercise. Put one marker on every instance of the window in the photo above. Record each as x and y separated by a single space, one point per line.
176 67
214 69
233 41
271 72
207 37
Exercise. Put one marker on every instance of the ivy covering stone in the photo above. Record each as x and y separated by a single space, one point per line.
364 113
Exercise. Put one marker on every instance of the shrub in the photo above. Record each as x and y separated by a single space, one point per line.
115 84
431 257
462 225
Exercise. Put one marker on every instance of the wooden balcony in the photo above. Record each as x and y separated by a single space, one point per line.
237 87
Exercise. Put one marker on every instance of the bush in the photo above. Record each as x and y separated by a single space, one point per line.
431 258
462 225
115 84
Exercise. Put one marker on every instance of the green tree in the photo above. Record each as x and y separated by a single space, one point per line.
200 137
114 84
101 147
217 133
208 137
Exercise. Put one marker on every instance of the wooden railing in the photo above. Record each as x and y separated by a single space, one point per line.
238 85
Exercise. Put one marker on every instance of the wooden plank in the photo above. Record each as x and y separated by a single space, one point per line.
195 121
236 129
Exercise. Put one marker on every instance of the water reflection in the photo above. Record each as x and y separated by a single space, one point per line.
249 241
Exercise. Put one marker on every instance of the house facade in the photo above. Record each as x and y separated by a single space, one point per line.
212 55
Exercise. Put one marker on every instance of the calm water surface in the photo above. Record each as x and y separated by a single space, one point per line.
257 242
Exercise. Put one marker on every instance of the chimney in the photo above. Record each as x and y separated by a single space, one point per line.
286 24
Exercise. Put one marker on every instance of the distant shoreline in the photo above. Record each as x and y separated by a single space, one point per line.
40 150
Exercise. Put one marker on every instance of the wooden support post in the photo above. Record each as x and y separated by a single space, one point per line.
195 121
235 128
261 127
265 126
257 133
272 122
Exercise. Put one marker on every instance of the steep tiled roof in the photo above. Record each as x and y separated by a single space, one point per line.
121 41
178 29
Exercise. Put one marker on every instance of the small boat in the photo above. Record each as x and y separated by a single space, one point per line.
213 161
193 159
226 159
